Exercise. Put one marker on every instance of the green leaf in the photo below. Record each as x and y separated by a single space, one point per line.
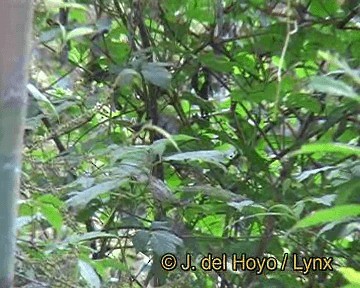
333 87
217 63
348 192
78 32
183 138
336 213
156 74
50 199
134 156
323 8
213 224
200 10
52 215
80 199
301 100
337 148
246 61
89 274
351 286
350 275
265 92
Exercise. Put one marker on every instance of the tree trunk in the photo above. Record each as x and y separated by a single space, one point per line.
15 30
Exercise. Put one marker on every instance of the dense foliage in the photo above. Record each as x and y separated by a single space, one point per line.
196 127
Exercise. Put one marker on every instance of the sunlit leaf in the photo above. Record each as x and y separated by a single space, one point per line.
50 199
337 148
350 274
52 215
336 213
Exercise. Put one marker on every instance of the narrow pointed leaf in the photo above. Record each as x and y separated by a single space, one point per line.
323 216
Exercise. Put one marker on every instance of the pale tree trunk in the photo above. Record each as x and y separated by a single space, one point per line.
15 30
